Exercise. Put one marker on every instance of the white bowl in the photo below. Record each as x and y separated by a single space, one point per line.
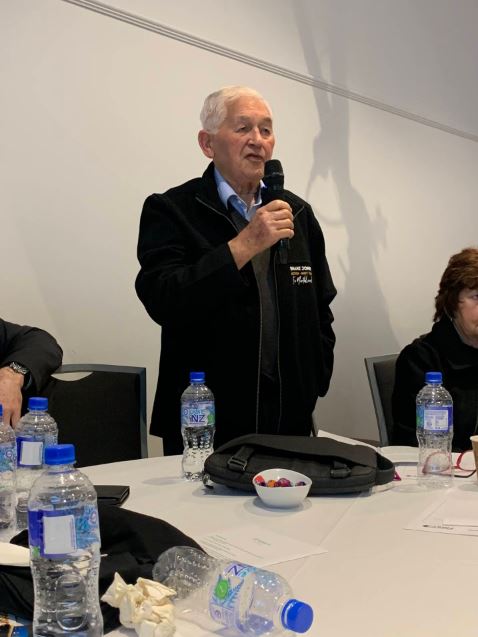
282 497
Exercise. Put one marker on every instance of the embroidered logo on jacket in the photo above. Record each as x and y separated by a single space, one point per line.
301 274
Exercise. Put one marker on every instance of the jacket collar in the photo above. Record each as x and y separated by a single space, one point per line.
207 190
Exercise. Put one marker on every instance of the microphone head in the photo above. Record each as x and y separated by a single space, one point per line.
272 167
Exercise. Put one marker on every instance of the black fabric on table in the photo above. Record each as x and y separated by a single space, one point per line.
132 543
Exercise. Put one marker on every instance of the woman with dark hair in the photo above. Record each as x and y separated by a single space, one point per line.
451 348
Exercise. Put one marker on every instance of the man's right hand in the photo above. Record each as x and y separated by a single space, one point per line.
270 224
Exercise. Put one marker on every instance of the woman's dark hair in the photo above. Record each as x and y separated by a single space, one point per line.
460 273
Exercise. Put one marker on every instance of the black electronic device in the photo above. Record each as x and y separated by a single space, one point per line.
111 493
274 182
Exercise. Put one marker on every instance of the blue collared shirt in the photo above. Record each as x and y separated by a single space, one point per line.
227 194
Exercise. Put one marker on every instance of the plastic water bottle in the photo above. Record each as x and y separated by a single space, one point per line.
8 461
217 594
434 433
64 549
197 426
34 431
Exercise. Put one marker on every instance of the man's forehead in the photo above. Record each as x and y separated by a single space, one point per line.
241 117
247 109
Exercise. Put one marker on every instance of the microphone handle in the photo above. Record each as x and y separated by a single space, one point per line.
283 250
276 191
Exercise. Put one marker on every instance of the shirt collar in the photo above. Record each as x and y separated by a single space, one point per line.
227 193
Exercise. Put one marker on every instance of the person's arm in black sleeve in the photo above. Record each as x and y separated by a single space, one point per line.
32 348
413 362
326 294
180 269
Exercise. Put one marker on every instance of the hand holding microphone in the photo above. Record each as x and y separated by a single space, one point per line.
273 217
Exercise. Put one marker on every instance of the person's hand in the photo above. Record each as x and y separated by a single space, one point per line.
11 385
270 224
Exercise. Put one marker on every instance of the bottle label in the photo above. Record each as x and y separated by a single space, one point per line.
197 414
57 533
8 457
224 598
29 451
435 419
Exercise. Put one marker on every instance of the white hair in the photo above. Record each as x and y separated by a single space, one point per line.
214 110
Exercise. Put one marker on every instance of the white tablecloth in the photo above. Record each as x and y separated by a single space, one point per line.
376 579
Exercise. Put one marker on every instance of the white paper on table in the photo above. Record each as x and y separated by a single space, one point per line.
400 455
453 513
253 545
406 470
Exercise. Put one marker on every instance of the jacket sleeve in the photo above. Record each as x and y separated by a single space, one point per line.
413 362
32 347
326 292
180 268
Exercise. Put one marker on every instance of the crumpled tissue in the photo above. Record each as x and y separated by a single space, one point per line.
145 606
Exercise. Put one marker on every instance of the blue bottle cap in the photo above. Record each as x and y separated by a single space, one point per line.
37 403
297 616
433 377
196 377
59 454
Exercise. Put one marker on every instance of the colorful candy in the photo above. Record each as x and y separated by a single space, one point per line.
280 482
283 482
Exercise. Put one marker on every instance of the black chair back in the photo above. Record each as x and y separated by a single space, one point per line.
381 377
103 413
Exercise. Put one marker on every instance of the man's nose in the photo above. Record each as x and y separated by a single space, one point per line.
255 135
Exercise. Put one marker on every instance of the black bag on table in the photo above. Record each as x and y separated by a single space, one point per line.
334 466
130 545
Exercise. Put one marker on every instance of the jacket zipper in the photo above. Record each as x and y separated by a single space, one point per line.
218 212
278 338
279 375
259 356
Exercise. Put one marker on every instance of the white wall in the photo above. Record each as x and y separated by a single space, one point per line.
98 113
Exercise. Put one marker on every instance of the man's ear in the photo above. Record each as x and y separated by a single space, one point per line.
205 142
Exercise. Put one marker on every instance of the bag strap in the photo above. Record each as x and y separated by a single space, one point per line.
238 462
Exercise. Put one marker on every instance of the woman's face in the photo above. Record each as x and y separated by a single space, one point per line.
466 316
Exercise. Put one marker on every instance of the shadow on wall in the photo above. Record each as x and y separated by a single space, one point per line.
362 322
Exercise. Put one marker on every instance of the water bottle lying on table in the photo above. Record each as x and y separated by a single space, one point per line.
217 593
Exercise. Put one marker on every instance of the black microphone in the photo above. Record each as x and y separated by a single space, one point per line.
274 182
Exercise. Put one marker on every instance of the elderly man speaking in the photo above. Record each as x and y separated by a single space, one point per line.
211 276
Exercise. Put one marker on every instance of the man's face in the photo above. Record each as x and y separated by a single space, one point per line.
243 143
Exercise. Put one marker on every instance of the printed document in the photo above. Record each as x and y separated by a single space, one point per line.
456 512
253 545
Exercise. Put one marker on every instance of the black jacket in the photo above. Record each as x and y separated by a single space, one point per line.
130 545
31 347
210 312
440 350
